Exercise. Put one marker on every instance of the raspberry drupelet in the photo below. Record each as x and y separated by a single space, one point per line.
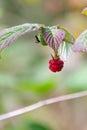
56 65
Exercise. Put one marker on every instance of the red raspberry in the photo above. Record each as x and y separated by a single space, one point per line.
56 65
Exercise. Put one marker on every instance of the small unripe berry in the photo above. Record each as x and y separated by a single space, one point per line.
56 65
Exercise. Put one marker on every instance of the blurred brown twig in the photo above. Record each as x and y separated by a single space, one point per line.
42 103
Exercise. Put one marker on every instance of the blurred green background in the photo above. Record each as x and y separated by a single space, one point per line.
24 75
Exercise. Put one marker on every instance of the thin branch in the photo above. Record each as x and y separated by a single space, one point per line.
41 104
68 41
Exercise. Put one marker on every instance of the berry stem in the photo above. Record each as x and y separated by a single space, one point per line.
56 56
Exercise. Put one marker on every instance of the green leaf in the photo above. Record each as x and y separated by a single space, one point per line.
40 37
65 50
36 87
84 11
9 35
37 126
68 36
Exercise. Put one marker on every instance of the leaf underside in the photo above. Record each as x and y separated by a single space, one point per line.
65 48
9 35
81 43
53 36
